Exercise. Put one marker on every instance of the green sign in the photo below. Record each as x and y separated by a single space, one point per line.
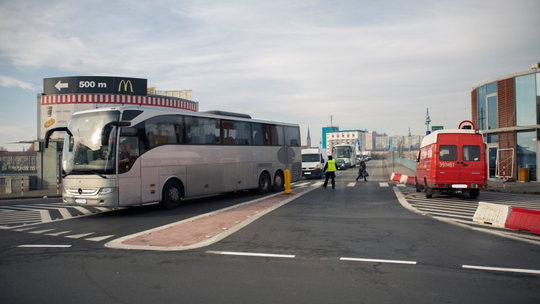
435 128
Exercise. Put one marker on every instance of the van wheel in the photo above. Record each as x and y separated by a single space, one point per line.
474 193
418 186
429 192
171 196
264 183
279 182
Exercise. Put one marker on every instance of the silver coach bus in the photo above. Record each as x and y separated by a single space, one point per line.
134 155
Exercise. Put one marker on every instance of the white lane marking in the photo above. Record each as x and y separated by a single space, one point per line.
44 246
100 238
41 231
270 255
383 185
58 233
378 261
401 185
78 236
64 213
351 184
83 210
45 216
502 269
24 229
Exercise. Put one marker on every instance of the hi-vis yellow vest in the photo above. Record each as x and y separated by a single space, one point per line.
331 166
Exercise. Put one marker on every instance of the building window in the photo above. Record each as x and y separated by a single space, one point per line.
526 152
525 100
492 138
482 108
492 112
538 98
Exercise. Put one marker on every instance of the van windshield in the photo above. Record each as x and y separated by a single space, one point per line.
309 158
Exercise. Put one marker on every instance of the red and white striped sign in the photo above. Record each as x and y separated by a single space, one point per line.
113 99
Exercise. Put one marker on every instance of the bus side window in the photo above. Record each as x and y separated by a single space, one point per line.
243 131
229 132
292 136
257 133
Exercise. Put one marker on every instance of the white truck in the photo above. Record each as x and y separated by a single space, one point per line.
313 161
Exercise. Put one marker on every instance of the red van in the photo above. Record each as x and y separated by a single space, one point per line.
453 161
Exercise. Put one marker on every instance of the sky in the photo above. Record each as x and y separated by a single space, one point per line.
360 65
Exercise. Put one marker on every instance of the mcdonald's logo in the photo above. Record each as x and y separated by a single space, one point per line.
125 83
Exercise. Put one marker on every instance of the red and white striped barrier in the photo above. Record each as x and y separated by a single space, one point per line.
396 177
404 179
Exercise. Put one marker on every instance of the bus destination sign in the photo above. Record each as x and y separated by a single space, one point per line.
94 85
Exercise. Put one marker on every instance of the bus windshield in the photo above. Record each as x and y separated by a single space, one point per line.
83 152
343 152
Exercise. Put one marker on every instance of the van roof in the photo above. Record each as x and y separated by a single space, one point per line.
432 138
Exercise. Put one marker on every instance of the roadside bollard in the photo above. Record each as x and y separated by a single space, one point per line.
287 182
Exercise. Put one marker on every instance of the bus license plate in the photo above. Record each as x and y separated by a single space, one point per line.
80 200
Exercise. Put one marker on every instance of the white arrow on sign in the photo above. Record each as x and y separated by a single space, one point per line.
61 85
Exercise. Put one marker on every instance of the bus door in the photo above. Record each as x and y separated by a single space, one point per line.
129 172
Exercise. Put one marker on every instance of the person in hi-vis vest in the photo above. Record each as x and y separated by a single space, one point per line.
330 169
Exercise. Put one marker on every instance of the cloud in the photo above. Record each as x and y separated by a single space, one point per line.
6 81
374 65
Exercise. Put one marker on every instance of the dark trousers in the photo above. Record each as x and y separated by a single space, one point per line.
330 175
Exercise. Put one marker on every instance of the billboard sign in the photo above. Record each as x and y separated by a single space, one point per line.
94 85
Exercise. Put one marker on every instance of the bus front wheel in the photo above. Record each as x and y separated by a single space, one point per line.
264 183
172 195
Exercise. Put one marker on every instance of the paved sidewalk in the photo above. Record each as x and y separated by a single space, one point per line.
494 186
31 194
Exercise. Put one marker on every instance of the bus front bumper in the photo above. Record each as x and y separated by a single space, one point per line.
99 197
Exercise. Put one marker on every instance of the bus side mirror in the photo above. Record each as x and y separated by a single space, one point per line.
51 131
106 133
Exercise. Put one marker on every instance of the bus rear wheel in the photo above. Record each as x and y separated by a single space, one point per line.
264 183
171 196
279 182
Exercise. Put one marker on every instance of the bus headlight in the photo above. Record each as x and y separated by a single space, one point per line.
106 190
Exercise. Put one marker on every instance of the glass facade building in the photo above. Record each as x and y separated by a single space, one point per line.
507 111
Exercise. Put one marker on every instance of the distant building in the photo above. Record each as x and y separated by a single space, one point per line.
348 137
325 131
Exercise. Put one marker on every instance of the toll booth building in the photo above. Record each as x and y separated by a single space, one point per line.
506 110
64 96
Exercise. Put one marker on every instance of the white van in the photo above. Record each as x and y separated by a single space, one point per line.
313 161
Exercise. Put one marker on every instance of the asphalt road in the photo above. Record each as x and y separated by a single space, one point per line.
354 244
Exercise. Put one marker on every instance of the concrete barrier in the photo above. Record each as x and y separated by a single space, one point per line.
524 219
496 215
